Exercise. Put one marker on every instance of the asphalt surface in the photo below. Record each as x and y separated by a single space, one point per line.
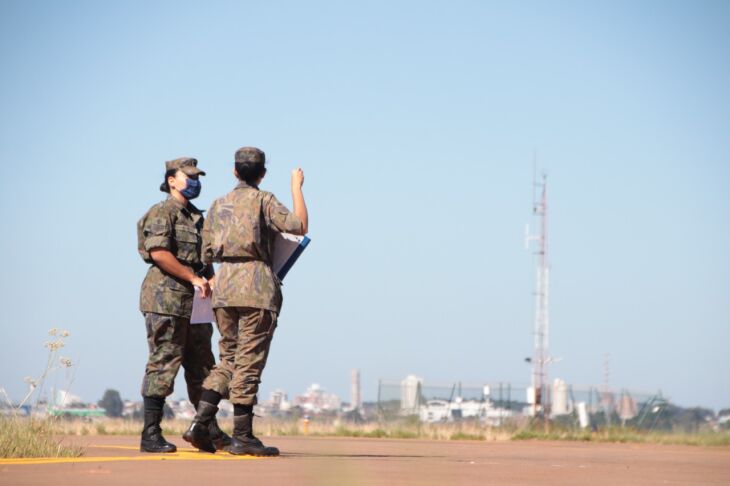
116 460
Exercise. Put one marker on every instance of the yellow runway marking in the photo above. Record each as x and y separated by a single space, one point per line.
181 455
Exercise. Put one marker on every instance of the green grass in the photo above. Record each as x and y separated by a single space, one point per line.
705 438
25 437
407 430
348 432
466 436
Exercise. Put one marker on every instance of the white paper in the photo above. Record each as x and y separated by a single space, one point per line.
285 246
202 310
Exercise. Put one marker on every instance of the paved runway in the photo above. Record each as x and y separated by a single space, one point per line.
116 460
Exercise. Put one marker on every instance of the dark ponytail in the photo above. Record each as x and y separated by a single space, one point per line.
165 187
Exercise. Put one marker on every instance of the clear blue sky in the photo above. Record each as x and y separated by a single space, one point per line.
415 124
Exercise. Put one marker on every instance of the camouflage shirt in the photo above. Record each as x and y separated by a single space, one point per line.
239 232
171 226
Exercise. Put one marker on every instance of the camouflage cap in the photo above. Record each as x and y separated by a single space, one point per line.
250 154
188 165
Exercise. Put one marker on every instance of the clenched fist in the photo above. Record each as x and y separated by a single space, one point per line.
297 178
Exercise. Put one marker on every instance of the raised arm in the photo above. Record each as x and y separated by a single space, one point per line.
300 207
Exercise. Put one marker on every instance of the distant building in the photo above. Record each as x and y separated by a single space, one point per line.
355 396
723 417
410 394
87 412
316 400
225 409
68 405
183 409
458 409
132 409
627 407
434 411
561 405
64 398
277 403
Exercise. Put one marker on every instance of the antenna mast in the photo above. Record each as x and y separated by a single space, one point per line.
541 357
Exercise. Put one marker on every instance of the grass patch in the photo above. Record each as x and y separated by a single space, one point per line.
466 436
473 431
705 438
115 426
26 437
273 427
350 432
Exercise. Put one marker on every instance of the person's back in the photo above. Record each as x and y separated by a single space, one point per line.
239 233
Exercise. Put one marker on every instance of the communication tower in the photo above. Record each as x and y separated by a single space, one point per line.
541 357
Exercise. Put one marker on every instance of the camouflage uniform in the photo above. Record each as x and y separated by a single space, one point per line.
239 233
167 301
172 342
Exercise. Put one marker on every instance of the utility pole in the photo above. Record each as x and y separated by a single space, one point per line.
541 357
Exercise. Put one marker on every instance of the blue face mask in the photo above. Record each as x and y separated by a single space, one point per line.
192 189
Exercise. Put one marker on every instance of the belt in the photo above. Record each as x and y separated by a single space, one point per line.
239 259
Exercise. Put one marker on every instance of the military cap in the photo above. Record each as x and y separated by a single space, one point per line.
188 165
250 154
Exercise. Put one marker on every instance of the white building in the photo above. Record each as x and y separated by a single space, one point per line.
316 400
561 404
410 394
444 411
434 411
355 393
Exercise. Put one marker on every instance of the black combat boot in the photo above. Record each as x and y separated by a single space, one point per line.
198 434
220 439
152 439
244 442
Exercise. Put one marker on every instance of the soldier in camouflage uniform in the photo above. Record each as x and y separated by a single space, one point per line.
169 238
239 233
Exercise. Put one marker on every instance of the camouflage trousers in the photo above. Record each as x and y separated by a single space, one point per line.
173 341
246 335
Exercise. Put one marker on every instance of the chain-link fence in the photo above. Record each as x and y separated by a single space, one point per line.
491 403
503 402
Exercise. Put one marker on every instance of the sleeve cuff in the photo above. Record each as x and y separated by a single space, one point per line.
157 242
294 224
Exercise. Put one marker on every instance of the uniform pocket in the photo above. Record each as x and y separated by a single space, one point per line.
266 322
171 283
176 301
274 322
188 243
